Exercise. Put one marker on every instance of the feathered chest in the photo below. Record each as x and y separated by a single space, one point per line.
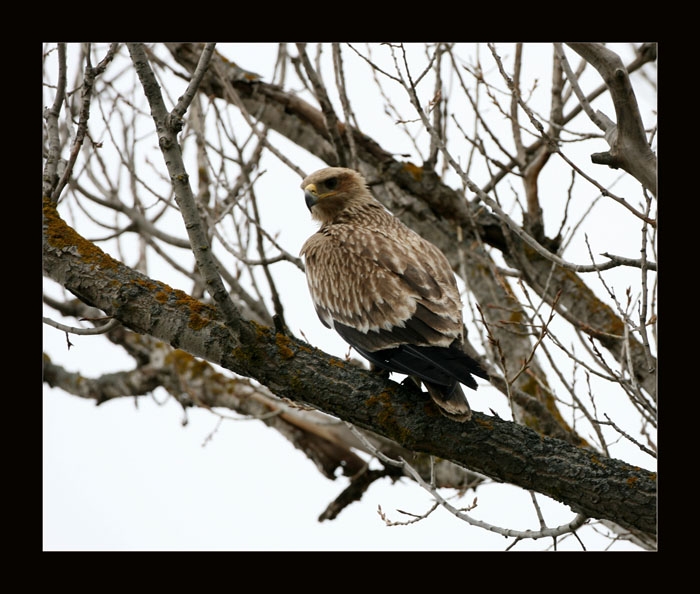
374 274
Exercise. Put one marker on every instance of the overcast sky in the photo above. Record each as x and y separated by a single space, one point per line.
144 475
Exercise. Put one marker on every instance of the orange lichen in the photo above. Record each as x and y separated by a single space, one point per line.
283 343
596 460
386 415
486 424
62 237
415 171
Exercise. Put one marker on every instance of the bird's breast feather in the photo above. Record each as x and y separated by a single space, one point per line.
372 281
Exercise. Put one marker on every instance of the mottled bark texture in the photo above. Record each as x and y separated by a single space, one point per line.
587 482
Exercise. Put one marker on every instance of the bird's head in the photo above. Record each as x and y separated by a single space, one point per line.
330 191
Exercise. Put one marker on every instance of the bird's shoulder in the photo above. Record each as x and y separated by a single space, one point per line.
372 236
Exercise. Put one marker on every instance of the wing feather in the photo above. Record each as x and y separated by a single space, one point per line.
389 286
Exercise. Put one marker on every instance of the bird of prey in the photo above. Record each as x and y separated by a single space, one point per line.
387 291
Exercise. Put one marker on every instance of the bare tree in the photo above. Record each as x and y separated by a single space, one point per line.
157 155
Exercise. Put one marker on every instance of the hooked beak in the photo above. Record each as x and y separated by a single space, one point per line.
310 196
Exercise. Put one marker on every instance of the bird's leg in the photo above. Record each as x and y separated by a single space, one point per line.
379 370
412 383
280 326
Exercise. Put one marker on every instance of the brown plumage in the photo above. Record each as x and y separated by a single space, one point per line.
387 291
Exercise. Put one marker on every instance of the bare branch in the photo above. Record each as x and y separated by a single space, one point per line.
629 147
167 137
103 329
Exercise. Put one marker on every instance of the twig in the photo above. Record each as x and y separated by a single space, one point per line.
112 323
167 127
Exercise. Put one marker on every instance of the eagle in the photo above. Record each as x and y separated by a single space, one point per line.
385 290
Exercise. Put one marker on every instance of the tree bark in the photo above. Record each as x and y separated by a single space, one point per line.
587 482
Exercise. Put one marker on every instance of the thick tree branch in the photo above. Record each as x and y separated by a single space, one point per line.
587 482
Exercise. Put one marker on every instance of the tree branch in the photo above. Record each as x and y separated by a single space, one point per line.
167 128
587 482
629 147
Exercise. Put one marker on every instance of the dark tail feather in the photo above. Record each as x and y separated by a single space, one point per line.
451 400
440 369
445 364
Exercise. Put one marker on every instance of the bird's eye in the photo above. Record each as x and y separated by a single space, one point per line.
332 183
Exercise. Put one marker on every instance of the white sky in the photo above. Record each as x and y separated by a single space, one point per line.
128 475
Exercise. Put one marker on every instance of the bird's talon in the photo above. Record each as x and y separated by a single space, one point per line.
412 385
